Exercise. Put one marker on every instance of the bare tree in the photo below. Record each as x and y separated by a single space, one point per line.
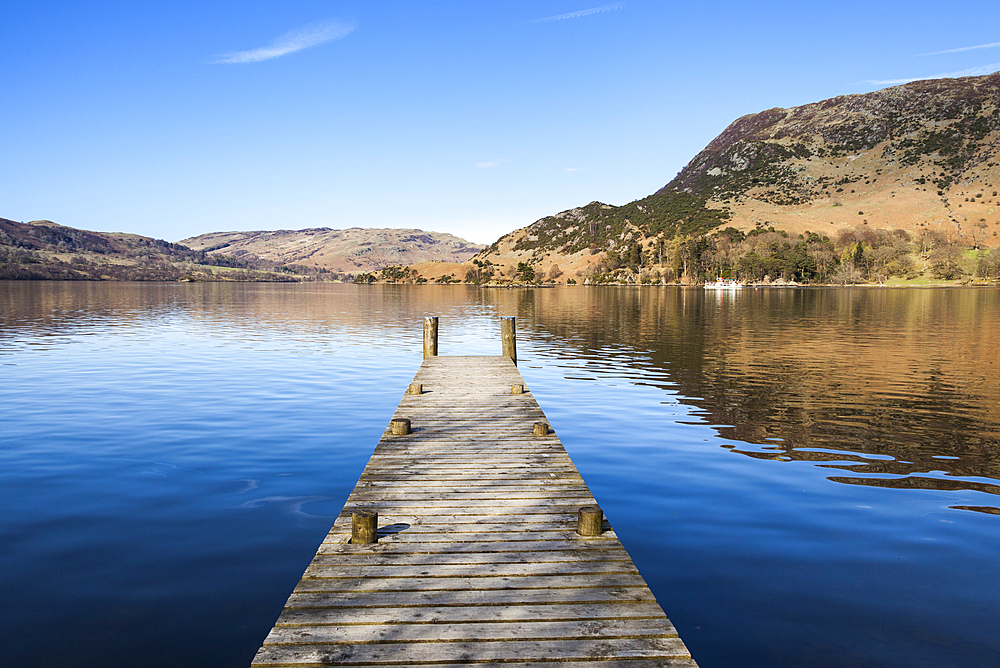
978 232
945 262
989 265
930 239
848 274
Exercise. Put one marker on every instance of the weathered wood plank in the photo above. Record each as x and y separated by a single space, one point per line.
680 662
436 473
473 652
567 505
460 614
559 569
468 522
441 471
436 513
396 494
493 541
482 583
388 544
467 598
488 542
683 662
330 557
523 631
501 489
514 524
456 456
470 474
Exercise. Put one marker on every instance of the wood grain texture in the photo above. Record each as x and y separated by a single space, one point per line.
478 560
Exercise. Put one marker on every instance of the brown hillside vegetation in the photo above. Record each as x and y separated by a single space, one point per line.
896 185
352 250
45 250
918 156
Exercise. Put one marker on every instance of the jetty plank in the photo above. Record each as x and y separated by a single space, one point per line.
632 628
438 583
459 614
388 572
478 561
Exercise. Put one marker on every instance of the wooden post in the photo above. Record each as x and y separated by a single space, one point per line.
590 521
507 334
400 426
517 389
415 388
540 429
364 527
431 336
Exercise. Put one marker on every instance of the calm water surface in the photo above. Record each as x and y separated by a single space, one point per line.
804 477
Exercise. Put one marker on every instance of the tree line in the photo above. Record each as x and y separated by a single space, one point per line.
858 255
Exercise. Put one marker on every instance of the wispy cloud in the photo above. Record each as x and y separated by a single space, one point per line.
305 37
963 48
971 72
489 164
583 12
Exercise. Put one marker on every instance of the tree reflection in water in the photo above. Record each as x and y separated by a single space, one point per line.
899 387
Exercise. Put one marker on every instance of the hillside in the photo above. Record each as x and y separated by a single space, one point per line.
905 171
905 157
574 242
351 250
42 249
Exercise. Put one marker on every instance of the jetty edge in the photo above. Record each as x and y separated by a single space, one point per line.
471 539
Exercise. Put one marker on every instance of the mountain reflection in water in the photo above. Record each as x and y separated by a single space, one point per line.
899 387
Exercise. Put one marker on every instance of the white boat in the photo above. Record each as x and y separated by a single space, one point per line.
723 284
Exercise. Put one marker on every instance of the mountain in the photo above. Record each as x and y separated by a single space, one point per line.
574 242
42 249
351 250
918 159
906 157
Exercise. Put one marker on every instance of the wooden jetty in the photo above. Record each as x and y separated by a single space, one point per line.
479 558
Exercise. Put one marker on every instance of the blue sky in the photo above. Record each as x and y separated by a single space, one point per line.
172 119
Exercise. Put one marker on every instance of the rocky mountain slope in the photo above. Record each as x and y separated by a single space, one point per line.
351 250
922 157
905 157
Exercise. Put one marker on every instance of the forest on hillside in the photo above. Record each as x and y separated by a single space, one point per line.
764 255
855 256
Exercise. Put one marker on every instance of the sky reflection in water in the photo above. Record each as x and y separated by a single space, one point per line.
793 471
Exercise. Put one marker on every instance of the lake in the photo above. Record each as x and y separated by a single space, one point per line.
805 477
